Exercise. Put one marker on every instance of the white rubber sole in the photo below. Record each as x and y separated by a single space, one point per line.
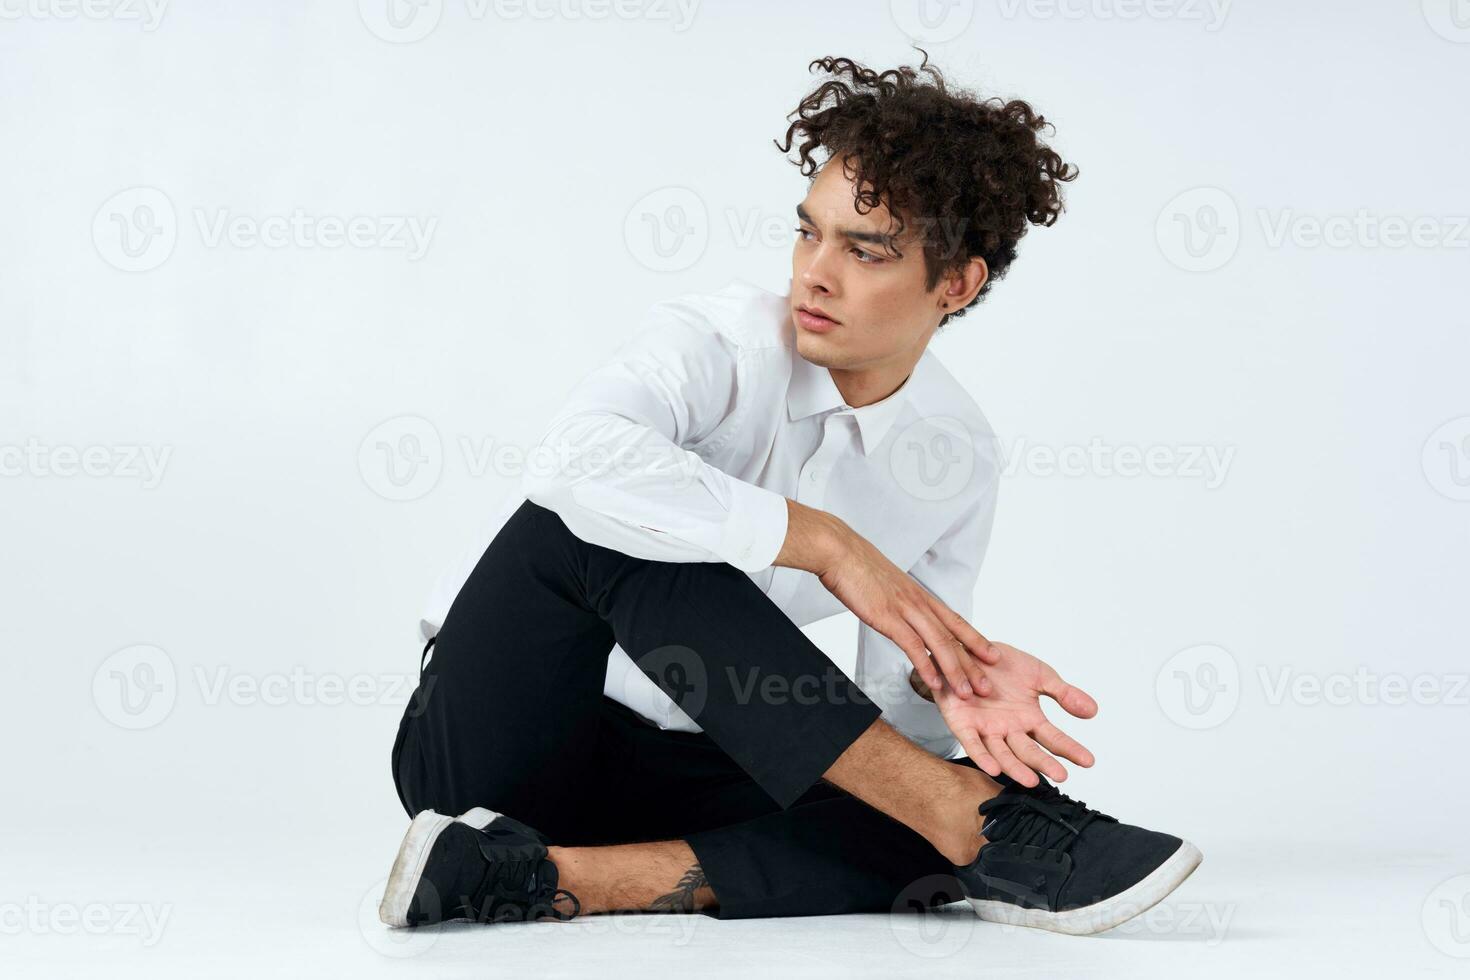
403 880
1106 914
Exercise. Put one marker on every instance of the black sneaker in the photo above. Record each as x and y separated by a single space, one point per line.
480 865
1050 862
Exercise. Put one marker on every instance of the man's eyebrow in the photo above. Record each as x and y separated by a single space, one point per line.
853 234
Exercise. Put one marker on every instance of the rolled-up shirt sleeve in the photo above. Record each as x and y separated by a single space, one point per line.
613 462
950 569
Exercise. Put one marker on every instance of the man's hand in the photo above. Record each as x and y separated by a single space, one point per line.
888 599
1006 730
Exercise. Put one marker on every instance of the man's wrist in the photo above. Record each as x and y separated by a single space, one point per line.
815 539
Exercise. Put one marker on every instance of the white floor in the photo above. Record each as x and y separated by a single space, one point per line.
308 908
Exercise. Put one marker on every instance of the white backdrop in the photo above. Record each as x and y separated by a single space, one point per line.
287 290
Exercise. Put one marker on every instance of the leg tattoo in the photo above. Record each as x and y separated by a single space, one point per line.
681 899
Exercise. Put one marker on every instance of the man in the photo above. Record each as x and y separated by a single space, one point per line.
622 669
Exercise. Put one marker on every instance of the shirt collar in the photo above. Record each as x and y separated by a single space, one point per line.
812 390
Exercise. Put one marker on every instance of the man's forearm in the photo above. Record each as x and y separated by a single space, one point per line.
814 538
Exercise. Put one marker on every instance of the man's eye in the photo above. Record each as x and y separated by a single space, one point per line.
866 258
802 232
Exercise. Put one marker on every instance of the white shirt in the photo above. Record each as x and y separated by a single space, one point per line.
685 444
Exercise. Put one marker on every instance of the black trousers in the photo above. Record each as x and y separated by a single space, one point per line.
510 714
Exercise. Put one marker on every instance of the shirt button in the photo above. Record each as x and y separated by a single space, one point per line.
813 476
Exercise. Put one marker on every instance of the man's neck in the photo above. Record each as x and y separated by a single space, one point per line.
873 383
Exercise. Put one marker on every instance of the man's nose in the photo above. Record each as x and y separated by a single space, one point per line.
819 273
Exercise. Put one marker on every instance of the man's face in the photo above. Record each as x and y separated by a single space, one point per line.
844 264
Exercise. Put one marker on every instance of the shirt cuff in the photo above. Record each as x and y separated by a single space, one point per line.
755 528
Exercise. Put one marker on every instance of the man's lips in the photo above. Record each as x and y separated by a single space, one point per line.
814 321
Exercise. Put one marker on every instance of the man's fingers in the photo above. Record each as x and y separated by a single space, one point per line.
1060 743
1034 756
913 645
952 658
973 641
975 749
1013 767
1073 700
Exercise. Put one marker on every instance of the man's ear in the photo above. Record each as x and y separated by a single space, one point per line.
959 288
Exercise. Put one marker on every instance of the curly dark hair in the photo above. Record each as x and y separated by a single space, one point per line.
974 171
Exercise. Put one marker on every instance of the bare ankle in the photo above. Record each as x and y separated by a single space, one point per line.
957 834
661 876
